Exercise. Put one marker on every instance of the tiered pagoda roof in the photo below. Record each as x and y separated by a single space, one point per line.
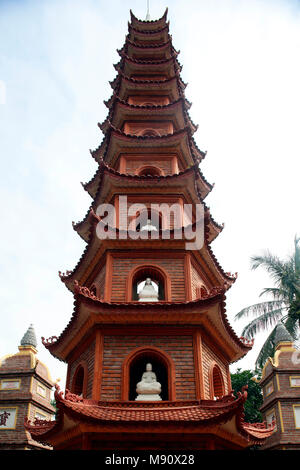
108 181
205 311
176 110
149 68
225 417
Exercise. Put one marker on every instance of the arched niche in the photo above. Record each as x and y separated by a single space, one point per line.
156 274
217 388
148 214
135 365
79 382
149 170
150 133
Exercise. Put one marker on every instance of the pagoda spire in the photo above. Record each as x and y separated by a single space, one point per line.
29 339
148 11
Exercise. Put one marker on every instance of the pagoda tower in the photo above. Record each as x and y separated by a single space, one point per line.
280 382
25 392
148 345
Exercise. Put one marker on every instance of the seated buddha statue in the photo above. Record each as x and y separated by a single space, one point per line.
149 227
148 293
148 388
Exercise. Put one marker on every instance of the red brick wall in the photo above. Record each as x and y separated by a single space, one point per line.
18 438
208 358
15 436
268 370
270 410
100 282
122 267
14 368
284 383
42 370
34 408
34 391
117 348
196 282
16 362
289 421
24 386
88 356
289 360
287 396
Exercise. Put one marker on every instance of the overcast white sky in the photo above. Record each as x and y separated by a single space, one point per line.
241 61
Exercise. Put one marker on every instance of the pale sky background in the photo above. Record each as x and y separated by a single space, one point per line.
241 62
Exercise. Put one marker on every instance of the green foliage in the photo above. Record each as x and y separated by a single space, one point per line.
53 403
254 399
285 305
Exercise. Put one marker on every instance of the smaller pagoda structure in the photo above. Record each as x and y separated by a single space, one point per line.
25 392
280 383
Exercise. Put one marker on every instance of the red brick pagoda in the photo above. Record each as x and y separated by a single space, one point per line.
25 391
280 382
148 346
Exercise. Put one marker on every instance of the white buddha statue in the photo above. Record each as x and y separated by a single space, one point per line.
148 293
149 227
148 389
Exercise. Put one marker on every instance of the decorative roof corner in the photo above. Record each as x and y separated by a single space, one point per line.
49 341
247 342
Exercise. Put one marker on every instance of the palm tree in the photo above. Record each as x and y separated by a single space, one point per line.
285 306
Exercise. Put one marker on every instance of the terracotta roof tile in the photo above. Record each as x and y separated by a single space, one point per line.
199 412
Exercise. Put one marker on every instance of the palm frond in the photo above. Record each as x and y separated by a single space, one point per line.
267 350
297 254
260 308
276 292
286 300
273 265
283 273
263 322
292 326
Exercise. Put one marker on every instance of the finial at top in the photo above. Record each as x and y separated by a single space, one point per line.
148 12
282 334
29 338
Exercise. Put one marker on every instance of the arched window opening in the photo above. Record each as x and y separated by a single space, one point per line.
147 291
149 171
217 383
201 292
138 367
150 133
148 284
78 382
148 220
